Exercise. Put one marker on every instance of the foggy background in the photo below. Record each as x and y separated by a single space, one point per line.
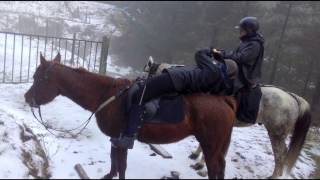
172 32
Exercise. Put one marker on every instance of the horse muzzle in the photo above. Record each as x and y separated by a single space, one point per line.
32 102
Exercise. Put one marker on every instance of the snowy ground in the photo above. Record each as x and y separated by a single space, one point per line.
249 156
26 147
97 15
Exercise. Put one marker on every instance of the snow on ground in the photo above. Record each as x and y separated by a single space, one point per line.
97 13
249 156
21 154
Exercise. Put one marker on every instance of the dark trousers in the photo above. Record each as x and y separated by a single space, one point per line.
156 86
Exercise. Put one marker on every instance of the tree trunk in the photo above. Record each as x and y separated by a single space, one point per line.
278 50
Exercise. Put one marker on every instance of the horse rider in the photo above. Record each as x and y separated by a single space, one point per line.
209 76
248 55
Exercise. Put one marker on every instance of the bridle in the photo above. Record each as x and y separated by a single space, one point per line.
84 124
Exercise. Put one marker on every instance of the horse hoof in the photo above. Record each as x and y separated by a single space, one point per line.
197 166
203 173
193 156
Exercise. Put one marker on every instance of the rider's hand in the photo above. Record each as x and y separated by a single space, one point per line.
217 51
217 54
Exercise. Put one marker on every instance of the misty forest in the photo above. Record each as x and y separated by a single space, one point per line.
88 45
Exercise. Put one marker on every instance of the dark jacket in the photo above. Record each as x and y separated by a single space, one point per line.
205 77
249 57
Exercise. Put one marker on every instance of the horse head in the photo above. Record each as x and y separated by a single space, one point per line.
45 87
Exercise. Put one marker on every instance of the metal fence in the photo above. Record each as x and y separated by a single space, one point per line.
20 54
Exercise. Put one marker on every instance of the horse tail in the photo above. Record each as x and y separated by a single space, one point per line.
300 131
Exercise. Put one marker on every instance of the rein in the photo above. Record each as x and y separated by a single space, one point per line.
84 124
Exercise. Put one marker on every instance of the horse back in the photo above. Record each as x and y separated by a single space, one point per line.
211 108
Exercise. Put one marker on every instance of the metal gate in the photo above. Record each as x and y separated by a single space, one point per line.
20 54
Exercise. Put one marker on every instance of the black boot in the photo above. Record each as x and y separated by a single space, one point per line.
126 140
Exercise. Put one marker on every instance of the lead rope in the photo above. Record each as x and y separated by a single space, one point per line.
82 125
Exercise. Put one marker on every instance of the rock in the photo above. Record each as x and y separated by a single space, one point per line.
234 160
175 174
153 154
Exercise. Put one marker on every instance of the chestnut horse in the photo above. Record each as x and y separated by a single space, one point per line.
209 118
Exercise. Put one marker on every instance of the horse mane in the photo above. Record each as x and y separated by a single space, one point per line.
98 77
80 70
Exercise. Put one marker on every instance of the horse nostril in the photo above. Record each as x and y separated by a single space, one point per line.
27 98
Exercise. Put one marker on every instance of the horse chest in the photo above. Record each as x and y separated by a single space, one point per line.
110 123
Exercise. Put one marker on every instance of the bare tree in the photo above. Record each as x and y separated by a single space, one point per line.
279 48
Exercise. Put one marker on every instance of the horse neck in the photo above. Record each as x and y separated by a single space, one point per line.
87 89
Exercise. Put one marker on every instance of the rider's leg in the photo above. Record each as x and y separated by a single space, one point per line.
156 86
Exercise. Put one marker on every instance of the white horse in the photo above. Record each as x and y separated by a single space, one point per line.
281 112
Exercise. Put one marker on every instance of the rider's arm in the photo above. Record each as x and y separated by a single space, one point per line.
204 58
246 56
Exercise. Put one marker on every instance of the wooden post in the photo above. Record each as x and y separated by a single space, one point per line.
104 55
161 151
73 48
81 172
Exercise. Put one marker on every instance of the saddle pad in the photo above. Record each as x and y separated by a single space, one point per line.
167 109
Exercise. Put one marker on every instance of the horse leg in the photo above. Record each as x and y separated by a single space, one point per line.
279 150
114 164
122 160
215 161
214 155
195 155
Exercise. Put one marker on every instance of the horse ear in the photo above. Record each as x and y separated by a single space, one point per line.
57 59
42 59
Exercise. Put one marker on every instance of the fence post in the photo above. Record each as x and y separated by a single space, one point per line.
104 55
73 48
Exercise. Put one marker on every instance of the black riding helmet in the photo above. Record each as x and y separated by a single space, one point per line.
249 24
